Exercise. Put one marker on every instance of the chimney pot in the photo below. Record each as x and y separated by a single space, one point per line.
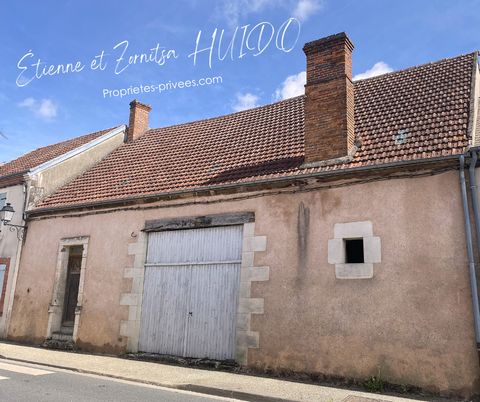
329 102
138 122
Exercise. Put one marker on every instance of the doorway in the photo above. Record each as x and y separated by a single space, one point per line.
72 284
191 291
65 308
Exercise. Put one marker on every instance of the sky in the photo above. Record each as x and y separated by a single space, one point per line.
72 67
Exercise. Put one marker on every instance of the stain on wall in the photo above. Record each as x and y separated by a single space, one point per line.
303 226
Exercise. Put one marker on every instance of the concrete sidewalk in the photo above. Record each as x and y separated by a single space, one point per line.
206 381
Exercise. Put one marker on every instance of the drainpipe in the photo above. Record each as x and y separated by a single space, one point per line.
471 260
474 194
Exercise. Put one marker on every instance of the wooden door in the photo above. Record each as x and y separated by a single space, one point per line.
71 289
191 288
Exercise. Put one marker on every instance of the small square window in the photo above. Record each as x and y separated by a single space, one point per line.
354 251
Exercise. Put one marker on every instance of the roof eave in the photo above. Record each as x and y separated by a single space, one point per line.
9 179
112 203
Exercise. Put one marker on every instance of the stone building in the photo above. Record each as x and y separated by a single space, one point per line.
321 234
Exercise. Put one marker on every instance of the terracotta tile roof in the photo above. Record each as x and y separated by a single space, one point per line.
41 155
421 112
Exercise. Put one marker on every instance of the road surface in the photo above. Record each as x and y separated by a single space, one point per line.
22 382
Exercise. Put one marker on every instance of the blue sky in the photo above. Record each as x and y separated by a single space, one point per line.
387 35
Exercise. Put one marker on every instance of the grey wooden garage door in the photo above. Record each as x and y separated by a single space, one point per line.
191 287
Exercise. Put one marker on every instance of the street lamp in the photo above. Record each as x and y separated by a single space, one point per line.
6 216
6 213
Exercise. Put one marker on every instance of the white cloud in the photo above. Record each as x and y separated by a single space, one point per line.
377 69
306 8
293 85
28 102
232 11
245 101
45 109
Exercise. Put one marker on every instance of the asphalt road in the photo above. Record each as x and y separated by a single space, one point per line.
21 382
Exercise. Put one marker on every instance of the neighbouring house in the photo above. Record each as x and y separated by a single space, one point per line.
320 234
27 180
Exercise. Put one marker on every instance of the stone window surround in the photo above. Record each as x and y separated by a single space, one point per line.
371 250
245 337
55 309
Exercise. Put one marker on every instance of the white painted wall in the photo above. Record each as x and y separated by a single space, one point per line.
49 177
476 117
10 248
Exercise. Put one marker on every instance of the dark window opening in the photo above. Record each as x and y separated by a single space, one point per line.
354 251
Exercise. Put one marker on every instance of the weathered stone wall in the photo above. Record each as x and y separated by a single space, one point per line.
410 321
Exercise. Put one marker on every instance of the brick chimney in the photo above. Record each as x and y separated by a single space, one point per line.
138 122
329 104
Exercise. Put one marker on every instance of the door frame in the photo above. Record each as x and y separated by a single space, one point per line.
55 310
252 245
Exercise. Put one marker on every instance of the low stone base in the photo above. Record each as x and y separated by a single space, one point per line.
222 365
60 342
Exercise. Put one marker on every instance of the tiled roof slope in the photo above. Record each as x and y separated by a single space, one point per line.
427 104
45 154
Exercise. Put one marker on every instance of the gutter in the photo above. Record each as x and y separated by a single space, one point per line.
276 180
